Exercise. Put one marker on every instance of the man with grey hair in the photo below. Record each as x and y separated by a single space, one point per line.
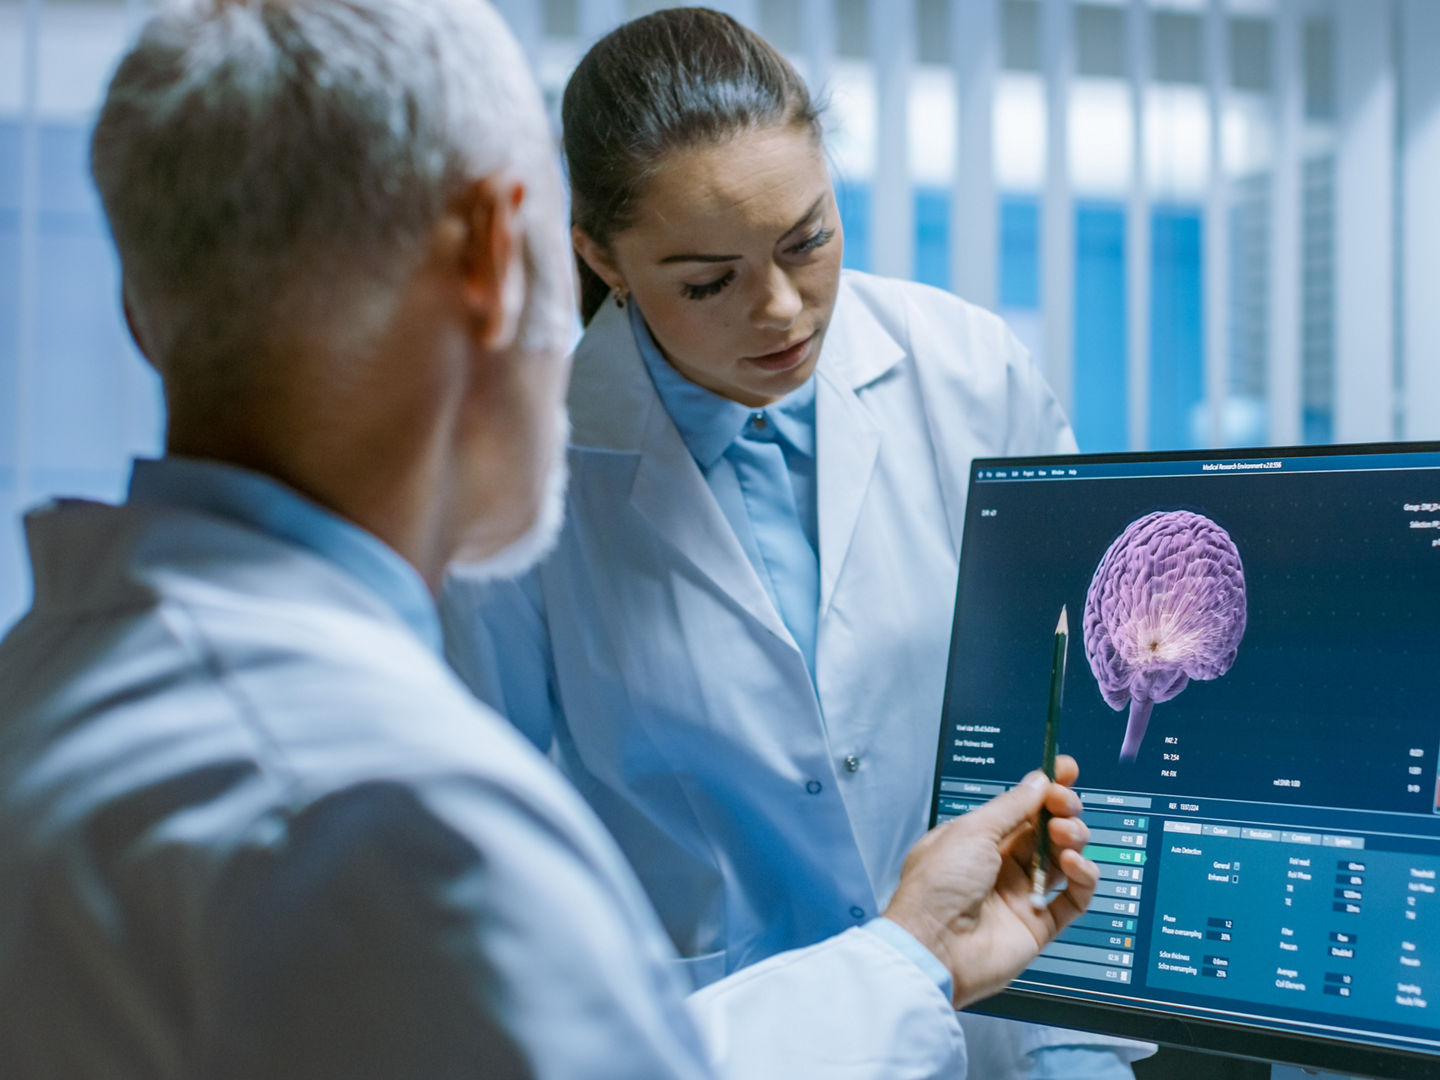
250 826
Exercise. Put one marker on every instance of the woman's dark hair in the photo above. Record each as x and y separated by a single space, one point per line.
675 79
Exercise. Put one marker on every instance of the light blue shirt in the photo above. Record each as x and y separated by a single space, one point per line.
709 423
249 498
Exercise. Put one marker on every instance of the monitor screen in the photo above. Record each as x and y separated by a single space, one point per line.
1253 694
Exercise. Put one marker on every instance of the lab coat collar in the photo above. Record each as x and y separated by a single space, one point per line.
706 421
671 494
86 556
611 396
614 409
264 503
858 350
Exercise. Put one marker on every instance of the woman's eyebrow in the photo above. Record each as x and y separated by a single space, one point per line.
814 209
691 256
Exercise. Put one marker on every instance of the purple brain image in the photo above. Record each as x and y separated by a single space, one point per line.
1166 605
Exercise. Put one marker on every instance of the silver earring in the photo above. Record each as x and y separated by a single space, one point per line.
620 295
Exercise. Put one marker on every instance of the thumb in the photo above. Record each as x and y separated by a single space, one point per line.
1005 813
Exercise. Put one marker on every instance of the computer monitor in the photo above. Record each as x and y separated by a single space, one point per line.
1253 694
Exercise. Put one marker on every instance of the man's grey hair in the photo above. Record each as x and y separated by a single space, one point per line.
266 161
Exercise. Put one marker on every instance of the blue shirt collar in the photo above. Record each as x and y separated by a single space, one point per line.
709 423
794 417
267 505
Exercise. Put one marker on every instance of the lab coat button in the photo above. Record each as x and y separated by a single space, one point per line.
813 787
851 763
857 912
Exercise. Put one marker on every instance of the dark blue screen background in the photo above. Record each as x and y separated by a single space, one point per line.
1334 681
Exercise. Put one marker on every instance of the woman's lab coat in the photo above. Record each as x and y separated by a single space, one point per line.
763 811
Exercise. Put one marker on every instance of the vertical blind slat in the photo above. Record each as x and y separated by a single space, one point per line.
974 204
1137 233
1282 371
1364 223
819 22
1057 220
892 205
1421 227
1215 258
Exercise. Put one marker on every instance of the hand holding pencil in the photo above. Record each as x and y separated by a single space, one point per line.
965 890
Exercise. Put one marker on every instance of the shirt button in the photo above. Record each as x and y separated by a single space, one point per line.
758 421
813 787
851 763
857 912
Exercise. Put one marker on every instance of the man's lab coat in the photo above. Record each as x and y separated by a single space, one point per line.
251 826
762 810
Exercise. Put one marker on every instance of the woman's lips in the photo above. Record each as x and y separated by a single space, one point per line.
784 359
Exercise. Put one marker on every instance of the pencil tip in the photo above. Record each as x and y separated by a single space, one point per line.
1063 626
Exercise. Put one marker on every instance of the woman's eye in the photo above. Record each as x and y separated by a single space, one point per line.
710 288
812 242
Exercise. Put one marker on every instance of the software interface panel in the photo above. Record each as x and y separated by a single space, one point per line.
1253 693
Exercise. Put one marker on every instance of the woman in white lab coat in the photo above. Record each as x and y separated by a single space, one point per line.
742 670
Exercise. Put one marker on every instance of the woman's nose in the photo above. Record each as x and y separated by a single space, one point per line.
779 302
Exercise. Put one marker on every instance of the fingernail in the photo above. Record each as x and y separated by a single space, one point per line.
1035 780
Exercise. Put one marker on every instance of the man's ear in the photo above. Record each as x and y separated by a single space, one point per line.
596 257
487 246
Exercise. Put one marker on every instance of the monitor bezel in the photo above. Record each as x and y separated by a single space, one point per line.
1231 1038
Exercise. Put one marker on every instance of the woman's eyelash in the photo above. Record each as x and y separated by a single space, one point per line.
810 243
710 288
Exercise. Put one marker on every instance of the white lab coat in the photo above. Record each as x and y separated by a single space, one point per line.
646 654
250 826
